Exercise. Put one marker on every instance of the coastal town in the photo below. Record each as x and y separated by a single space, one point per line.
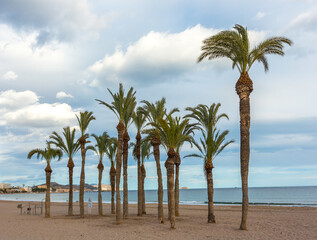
6 188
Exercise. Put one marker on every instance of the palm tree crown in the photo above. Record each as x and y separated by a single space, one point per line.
69 146
122 106
47 153
102 143
139 119
155 111
111 150
212 142
235 45
172 130
83 120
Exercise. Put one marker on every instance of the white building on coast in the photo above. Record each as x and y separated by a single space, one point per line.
5 185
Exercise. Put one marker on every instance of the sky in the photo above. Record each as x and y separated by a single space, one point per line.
57 57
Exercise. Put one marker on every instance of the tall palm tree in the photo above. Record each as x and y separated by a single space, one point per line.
234 44
188 131
102 143
212 143
70 146
139 120
154 112
142 151
111 152
83 119
127 121
48 154
120 104
171 133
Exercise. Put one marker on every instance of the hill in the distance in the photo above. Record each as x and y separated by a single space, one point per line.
56 185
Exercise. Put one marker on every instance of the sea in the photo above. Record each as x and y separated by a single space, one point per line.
280 196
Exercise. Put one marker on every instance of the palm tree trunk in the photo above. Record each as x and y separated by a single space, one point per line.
156 141
113 184
177 162
210 188
82 176
177 191
120 129
100 168
169 164
70 166
142 189
48 172
244 88
138 155
126 139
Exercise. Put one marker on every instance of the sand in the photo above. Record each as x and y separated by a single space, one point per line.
264 222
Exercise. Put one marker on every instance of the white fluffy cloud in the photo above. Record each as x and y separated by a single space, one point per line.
10 75
24 109
16 50
12 100
159 55
154 55
63 95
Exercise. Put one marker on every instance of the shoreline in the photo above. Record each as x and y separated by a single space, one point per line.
183 204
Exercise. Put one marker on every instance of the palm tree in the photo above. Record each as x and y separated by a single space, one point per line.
127 121
48 154
212 144
111 151
100 149
142 151
154 112
234 44
119 106
69 147
188 131
139 120
83 119
171 132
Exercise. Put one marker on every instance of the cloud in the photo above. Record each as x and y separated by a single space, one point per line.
155 55
160 56
10 75
62 94
12 100
304 21
53 19
24 109
16 50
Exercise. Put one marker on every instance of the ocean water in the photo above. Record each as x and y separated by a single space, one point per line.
288 196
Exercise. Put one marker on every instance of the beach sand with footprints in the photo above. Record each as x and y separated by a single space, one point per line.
264 222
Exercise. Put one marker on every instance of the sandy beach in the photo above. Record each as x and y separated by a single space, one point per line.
265 222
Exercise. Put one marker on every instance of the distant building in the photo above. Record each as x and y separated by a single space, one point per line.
27 189
105 187
5 185
42 186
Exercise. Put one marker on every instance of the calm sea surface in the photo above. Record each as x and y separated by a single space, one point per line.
292 196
